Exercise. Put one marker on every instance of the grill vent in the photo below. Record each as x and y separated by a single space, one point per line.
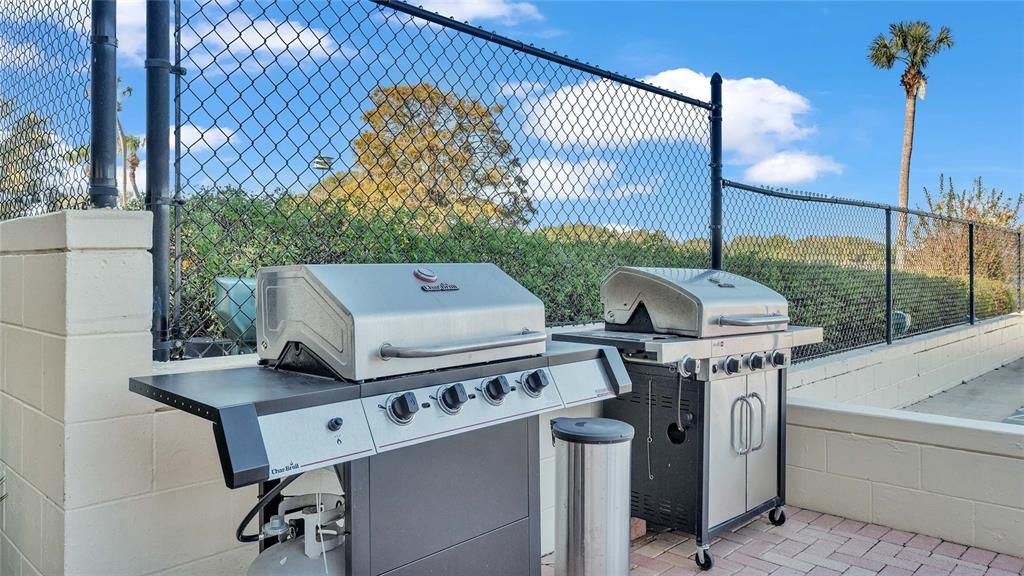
660 400
661 511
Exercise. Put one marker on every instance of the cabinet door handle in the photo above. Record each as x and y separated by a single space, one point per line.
764 410
739 449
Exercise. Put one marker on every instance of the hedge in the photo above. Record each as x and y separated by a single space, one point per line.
234 234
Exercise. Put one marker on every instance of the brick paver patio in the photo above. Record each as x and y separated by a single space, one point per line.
814 544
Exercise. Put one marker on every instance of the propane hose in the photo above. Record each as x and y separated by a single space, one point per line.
260 505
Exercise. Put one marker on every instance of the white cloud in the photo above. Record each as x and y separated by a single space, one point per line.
131 33
20 55
762 120
503 11
791 167
554 179
760 116
197 139
620 228
260 42
520 89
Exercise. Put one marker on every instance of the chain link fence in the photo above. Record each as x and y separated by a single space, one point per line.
830 256
351 132
360 132
44 106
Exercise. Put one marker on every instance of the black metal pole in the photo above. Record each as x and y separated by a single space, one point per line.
716 171
103 93
158 68
888 276
970 264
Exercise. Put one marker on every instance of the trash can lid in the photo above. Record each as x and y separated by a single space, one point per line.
591 430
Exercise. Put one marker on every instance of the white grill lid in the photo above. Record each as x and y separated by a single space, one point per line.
690 302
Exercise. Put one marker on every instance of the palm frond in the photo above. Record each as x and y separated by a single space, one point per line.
882 53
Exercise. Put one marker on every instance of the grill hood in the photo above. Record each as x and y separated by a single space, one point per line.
370 321
690 302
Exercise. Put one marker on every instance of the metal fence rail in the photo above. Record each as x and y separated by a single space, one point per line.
352 132
44 106
869 273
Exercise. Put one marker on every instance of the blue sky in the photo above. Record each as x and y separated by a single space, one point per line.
803 108
970 124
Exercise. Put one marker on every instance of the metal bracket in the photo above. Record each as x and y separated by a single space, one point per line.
166 202
167 344
161 63
103 39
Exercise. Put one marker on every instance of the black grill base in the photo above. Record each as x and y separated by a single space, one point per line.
673 497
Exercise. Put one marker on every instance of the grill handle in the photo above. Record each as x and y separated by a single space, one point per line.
752 320
746 415
387 351
760 443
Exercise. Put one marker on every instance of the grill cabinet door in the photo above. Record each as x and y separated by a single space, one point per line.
727 469
762 463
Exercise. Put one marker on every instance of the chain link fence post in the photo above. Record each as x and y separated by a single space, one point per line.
970 271
1020 279
103 134
888 275
158 68
716 171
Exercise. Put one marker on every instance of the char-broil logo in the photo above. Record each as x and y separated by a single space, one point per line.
439 287
288 468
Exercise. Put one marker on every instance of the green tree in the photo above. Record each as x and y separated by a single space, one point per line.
435 153
912 44
26 145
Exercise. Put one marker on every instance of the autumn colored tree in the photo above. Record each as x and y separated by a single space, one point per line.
438 155
941 245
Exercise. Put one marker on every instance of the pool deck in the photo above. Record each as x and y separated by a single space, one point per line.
814 544
992 397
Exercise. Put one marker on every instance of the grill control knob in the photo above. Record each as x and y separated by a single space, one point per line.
402 407
778 359
732 365
756 361
496 389
452 398
535 382
334 424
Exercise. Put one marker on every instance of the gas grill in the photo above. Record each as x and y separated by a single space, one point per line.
707 352
421 386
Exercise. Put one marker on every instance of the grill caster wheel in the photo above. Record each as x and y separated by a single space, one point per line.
703 559
777 516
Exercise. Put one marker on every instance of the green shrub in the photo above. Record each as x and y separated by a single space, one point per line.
231 233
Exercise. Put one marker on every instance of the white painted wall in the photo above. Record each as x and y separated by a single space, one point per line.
911 369
100 481
956 479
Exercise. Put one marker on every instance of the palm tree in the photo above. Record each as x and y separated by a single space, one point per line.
912 44
131 145
122 141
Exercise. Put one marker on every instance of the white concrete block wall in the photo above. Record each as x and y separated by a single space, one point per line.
101 481
911 369
956 479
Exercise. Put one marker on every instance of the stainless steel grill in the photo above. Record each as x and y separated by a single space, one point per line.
707 352
422 382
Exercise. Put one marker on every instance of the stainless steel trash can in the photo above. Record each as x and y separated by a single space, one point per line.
592 496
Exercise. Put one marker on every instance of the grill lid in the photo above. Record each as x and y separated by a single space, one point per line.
690 302
375 320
